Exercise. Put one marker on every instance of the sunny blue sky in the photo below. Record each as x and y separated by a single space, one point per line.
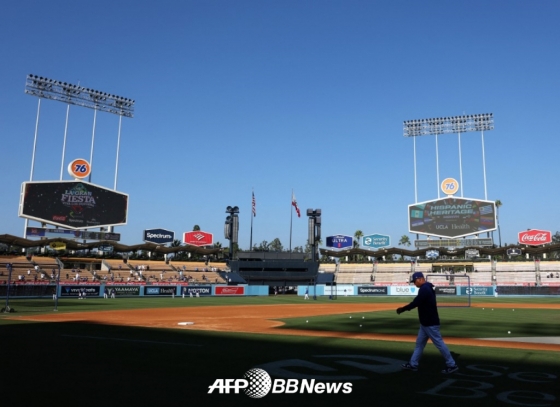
233 96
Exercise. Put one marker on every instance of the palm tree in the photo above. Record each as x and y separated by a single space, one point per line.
498 203
357 236
405 241
196 228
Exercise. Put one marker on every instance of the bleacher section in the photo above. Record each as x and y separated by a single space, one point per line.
199 272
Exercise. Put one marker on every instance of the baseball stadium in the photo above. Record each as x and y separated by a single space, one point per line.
86 321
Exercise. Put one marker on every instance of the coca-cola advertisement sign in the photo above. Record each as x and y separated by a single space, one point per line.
535 237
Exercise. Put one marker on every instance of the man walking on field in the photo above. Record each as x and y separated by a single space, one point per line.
428 315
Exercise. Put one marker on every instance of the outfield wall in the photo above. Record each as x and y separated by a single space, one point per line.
218 290
349 290
132 290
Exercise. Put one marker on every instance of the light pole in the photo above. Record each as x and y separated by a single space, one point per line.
449 125
314 230
231 228
56 289
77 95
9 267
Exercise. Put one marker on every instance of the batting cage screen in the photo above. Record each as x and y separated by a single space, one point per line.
448 289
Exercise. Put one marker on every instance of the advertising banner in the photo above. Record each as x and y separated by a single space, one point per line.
535 237
344 289
73 204
403 290
376 241
371 290
453 242
123 290
452 217
71 234
446 291
198 238
230 290
476 290
194 289
159 236
75 290
339 241
160 290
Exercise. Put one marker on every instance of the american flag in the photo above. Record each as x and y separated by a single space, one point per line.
254 205
294 203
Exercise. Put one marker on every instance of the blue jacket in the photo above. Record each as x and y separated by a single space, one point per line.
427 305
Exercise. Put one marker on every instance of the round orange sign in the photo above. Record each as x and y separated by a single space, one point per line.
450 186
79 168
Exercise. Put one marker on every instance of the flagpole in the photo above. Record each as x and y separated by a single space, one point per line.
291 215
252 216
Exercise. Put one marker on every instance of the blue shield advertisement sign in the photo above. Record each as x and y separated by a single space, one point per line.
376 241
339 241
159 236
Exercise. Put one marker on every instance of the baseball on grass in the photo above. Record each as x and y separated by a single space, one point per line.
509 332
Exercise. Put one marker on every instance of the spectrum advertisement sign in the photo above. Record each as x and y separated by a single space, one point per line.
371 290
452 217
339 241
376 241
159 236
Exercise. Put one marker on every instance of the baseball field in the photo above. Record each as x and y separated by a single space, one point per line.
174 351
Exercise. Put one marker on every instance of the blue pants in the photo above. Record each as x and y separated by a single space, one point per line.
433 333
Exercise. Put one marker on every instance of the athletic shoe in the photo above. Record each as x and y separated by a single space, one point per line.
408 366
449 370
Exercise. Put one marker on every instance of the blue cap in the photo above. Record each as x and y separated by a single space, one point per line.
416 275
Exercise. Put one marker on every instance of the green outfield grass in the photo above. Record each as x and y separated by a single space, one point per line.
91 364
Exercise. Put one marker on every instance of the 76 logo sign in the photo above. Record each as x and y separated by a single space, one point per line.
79 168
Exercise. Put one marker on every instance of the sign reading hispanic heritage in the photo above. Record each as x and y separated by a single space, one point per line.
452 217
339 241
198 238
376 241
73 204
159 236
535 237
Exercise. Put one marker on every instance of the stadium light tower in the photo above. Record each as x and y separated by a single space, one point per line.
231 228
447 125
77 95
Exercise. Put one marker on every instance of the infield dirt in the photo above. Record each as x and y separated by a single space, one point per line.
263 319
